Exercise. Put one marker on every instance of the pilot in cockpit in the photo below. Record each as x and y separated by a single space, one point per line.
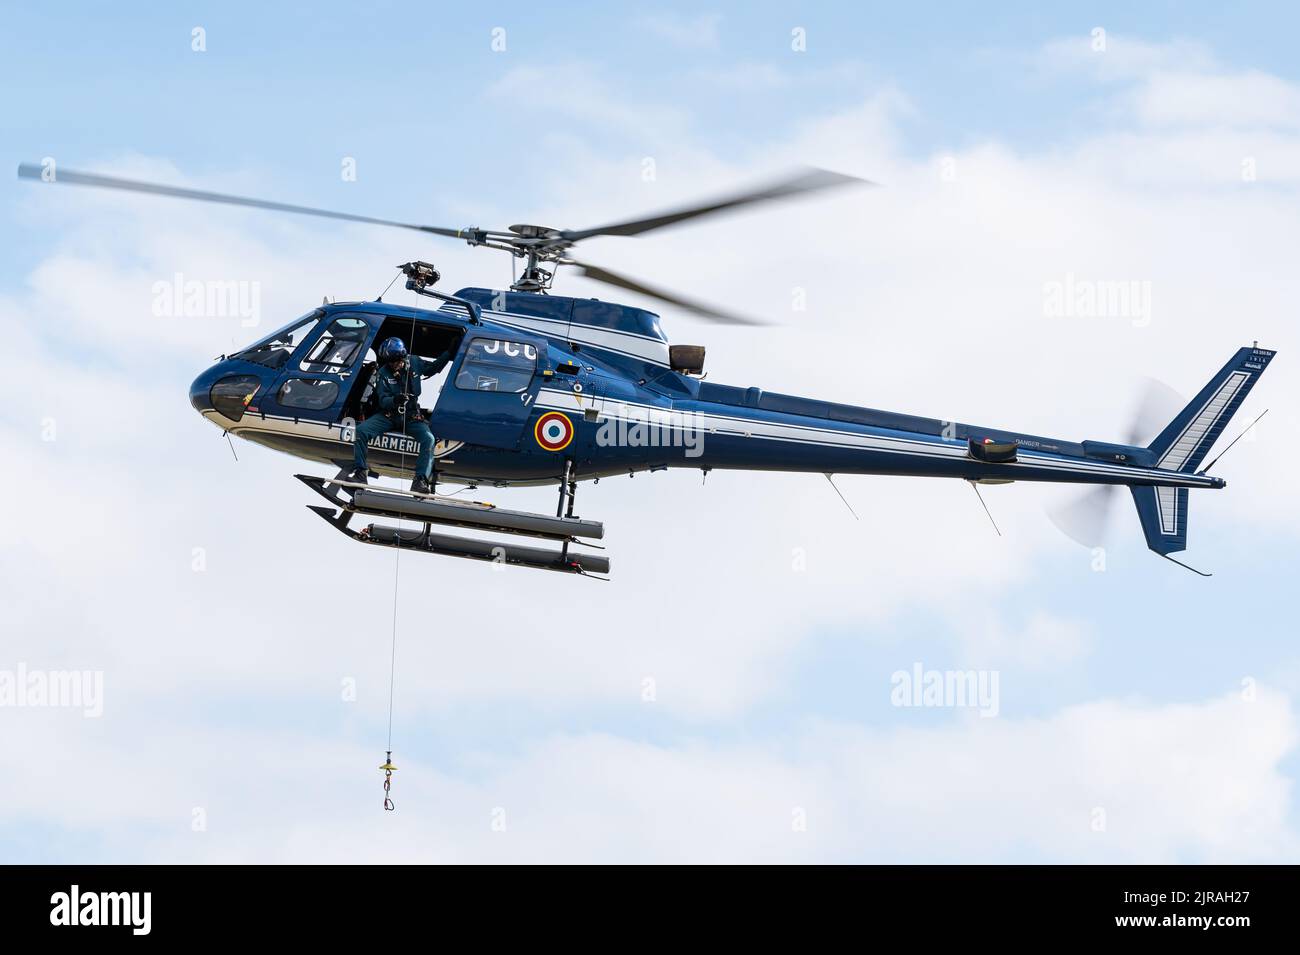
397 385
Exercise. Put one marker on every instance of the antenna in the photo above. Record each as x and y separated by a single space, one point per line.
975 488
1234 441
831 477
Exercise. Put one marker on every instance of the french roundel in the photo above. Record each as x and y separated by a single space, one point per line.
553 431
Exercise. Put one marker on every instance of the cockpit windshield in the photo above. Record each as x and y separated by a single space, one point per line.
274 350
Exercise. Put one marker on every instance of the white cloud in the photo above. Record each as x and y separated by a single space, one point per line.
748 77
578 92
1179 83
1103 782
698 32
764 76
1044 642
1250 100
1117 57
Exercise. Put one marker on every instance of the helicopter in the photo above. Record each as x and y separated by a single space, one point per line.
544 389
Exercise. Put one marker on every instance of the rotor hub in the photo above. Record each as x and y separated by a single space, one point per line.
535 231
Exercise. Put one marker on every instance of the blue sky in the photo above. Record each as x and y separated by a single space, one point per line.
283 89
774 686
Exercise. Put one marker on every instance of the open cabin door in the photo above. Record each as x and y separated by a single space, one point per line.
490 389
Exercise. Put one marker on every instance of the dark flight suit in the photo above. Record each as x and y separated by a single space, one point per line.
389 390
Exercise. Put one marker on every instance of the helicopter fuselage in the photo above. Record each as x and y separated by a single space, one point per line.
540 383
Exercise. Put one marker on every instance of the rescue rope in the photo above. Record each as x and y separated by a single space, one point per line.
388 766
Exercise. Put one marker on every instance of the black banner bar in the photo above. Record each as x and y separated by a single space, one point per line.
237 903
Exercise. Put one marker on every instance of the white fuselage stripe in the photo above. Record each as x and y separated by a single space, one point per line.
318 430
824 435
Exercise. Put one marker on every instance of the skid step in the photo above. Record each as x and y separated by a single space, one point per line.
330 483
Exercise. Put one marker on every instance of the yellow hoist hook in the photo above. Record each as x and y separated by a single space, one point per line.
388 768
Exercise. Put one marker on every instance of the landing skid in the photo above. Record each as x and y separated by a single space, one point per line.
348 499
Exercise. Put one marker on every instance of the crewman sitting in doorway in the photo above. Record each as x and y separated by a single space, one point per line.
397 392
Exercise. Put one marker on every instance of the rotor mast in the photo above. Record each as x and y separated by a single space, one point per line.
536 244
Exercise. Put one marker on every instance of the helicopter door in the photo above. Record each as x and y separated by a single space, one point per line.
314 388
490 391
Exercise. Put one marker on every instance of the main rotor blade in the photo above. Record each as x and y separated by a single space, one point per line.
33 171
598 274
805 181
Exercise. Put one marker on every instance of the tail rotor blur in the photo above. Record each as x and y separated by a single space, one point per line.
1085 517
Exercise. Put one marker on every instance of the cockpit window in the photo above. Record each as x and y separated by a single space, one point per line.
274 350
493 364
314 394
338 347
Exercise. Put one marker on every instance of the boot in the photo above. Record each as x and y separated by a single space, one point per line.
356 476
421 486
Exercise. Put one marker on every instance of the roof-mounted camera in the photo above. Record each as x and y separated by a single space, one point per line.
420 275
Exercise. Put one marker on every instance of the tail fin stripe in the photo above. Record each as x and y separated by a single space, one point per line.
1167 502
1216 411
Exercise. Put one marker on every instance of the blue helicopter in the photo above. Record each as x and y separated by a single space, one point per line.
544 389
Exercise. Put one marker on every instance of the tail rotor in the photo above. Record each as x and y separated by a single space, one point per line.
1085 517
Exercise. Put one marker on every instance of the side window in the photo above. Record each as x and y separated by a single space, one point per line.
493 364
309 393
337 348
